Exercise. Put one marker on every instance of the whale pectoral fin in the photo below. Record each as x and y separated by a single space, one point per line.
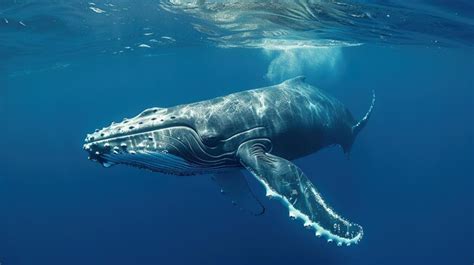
235 186
284 180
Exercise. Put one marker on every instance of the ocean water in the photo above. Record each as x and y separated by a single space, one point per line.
69 67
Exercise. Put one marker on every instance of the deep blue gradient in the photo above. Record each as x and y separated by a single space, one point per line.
409 180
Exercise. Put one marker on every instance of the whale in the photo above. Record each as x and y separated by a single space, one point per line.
259 131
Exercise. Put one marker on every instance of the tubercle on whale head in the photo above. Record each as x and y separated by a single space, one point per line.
147 119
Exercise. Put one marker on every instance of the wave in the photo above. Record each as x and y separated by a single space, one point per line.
44 27
284 24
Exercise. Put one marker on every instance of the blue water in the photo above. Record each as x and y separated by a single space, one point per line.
408 182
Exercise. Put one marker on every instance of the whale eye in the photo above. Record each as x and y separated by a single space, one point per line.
211 140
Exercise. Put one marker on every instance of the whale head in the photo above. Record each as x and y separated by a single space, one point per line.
156 139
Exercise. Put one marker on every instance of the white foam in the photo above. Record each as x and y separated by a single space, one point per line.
290 62
168 38
96 9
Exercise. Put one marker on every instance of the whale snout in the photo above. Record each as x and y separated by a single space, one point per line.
127 137
156 140
149 119
135 147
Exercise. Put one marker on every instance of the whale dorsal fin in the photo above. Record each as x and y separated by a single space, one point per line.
295 81
285 181
234 185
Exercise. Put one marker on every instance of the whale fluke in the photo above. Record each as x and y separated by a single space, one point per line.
361 124
356 128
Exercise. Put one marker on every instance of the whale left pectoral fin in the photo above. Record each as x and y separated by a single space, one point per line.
284 180
234 185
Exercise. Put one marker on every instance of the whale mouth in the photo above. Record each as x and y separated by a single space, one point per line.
140 150
118 149
176 150
129 136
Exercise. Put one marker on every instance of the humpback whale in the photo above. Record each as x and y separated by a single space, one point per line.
259 130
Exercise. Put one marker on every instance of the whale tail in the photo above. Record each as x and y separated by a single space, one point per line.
360 124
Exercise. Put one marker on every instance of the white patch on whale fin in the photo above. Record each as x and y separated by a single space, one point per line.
295 81
285 181
234 185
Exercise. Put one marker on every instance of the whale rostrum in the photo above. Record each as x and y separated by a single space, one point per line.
259 130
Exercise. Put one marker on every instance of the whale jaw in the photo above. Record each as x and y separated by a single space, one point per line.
144 141
171 147
153 150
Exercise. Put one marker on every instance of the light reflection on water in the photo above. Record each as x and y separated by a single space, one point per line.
122 26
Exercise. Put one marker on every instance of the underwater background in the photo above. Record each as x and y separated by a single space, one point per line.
68 67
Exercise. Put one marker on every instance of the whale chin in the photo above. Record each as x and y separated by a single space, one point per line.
156 161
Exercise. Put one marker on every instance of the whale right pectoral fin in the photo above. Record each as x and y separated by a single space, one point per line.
284 180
